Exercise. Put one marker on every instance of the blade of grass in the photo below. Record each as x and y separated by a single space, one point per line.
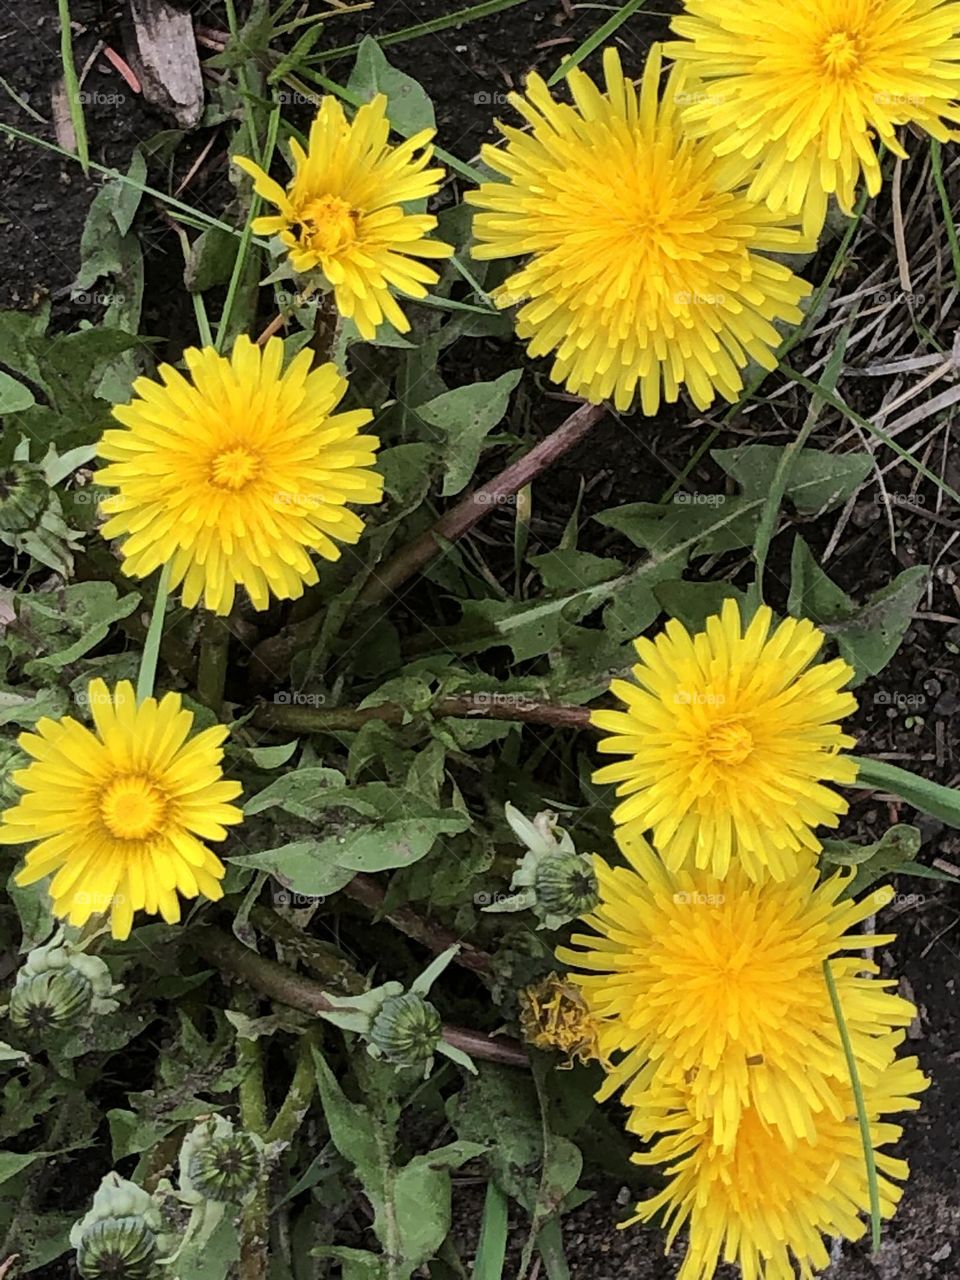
869 1156
246 238
72 86
936 161
594 41
22 102
492 1247
865 425
462 16
778 485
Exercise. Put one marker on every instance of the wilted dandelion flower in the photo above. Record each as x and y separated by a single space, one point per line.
808 91
718 985
764 1204
646 264
554 1016
234 476
120 817
729 737
342 212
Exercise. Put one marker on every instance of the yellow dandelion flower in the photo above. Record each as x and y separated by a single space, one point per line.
343 211
730 736
646 264
233 476
718 985
807 91
555 1016
765 1205
120 816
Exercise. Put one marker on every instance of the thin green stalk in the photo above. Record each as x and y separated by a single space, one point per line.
246 238
289 1118
598 37
461 17
151 648
842 407
72 86
22 103
199 307
255 1218
936 161
863 1120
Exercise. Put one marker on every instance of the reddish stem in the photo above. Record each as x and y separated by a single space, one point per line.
461 518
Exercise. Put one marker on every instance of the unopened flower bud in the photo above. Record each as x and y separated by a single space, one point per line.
51 1001
118 1239
566 885
58 986
220 1162
118 1249
407 1030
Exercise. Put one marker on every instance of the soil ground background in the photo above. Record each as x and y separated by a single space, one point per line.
43 202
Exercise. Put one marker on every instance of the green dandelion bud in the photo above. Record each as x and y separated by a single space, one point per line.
400 1026
406 1031
52 1001
23 496
119 1238
566 885
219 1162
118 1249
58 987
552 880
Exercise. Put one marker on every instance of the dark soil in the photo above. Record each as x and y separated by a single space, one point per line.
43 203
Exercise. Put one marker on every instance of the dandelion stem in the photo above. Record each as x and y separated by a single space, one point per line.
151 648
479 706
461 518
862 1118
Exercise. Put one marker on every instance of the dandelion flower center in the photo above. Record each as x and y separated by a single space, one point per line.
841 53
133 808
234 468
328 225
728 743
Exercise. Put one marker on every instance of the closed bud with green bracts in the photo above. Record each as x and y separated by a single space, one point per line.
566 885
51 1001
119 1238
406 1031
60 987
23 496
219 1162
551 880
118 1249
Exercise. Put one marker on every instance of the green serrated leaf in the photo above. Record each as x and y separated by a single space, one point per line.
465 417
818 480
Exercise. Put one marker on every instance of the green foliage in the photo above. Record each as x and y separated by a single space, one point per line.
380 735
